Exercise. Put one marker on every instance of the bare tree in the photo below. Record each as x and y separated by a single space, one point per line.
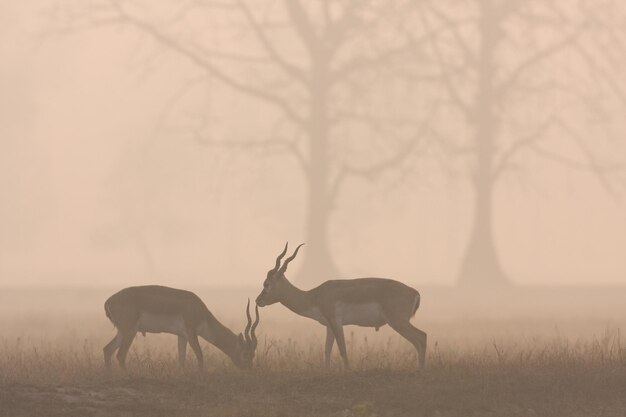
315 63
502 64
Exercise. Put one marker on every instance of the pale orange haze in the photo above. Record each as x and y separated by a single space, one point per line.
105 179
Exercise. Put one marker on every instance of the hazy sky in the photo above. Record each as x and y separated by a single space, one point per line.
84 171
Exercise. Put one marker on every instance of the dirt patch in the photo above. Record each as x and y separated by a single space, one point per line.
355 394
96 401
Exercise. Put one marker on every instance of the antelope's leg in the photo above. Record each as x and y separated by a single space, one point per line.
337 330
110 349
195 346
127 338
422 338
330 340
182 350
412 334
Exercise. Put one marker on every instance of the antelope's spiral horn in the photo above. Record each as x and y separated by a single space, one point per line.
256 323
291 258
280 257
246 333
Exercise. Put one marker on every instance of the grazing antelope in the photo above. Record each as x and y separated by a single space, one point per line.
157 309
367 302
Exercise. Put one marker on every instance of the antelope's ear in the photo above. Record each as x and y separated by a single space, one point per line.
240 339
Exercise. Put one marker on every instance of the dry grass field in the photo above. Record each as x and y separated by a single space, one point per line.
518 354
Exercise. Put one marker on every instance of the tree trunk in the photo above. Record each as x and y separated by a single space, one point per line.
481 266
318 265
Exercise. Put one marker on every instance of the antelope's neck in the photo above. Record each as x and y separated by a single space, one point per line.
297 300
218 335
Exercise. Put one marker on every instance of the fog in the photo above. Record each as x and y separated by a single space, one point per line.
124 161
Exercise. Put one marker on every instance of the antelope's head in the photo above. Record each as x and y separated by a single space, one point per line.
246 343
275 283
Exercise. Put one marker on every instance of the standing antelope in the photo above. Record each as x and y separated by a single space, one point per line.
367 302
157 309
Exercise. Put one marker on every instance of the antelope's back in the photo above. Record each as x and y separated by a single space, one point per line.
368 290
153 299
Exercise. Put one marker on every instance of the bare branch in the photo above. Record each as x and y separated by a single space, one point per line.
206 64
374 170
336 31
592 164
250 145
402 153
446 74
361 62
451 88
453 25
289 68
165 111
513 77
303 25
520 145
604 73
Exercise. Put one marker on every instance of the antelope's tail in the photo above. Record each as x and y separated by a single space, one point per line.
416 303
107 311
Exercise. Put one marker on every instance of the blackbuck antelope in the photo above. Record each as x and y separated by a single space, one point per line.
157 309
367 302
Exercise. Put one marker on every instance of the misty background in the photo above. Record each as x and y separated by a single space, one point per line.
434 142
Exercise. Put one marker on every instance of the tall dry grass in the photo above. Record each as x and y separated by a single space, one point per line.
57 336
75 360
